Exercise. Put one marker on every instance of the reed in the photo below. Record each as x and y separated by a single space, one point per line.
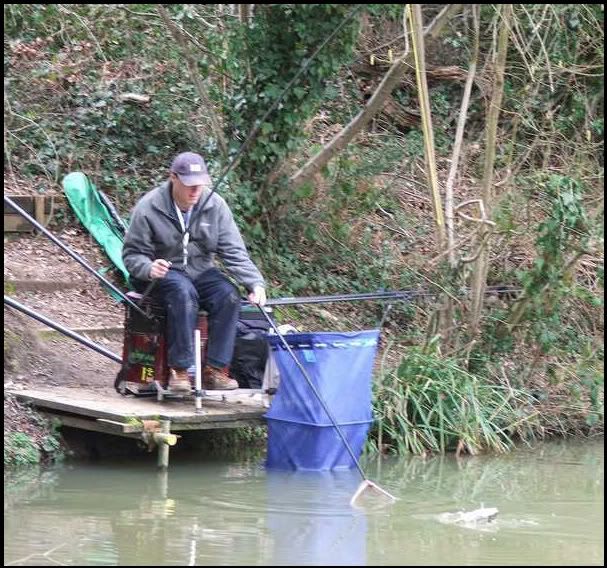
431 404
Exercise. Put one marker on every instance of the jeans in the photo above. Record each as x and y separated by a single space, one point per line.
182 297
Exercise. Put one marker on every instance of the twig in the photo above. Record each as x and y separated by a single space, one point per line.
455 246
519 46
6 150
435 284
393 229
384 211
334 239
481 245
397 38
536 32
434 26
415 195
123 7
475 220
481 207
208 24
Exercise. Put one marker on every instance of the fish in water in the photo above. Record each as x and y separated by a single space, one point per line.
480 516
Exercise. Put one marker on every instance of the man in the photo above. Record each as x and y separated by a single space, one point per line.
171 241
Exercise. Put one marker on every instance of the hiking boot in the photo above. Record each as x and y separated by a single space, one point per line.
217 379
179 381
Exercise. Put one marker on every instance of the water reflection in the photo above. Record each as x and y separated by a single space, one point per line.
201 512
309 518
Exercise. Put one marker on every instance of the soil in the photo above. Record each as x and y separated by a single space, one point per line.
78 301
81 302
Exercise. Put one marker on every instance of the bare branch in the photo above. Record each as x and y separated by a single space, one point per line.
202 92
459 136
373 106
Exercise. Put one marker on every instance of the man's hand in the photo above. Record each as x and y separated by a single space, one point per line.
258 296
159 268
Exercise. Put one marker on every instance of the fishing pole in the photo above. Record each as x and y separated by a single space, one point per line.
118 221
364 296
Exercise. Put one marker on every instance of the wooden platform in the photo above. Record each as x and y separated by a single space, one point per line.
107 411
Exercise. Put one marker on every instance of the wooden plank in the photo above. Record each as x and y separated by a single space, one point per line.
38 206
188 427
238 407
49 333
122 427
42 285
26 202
31 203
39 209
14 223
88 424
132 431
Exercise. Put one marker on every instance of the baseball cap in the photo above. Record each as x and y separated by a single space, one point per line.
191 169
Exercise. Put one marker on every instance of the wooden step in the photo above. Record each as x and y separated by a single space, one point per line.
47 333
41 285
40 207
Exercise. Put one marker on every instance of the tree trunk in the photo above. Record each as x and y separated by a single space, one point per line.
244 13
447 316
479 281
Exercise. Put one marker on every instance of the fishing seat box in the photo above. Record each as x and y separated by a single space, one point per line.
144 351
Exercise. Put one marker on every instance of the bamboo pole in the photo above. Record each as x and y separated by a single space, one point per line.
415 17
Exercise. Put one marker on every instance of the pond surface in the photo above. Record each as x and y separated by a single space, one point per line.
220 512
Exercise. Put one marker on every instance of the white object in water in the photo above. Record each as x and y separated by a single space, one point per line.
469 518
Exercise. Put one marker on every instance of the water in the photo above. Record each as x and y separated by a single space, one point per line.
202 512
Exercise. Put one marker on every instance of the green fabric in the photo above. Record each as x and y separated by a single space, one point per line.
84 199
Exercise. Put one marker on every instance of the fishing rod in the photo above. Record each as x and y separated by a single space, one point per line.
198 212
74 255
288 301
94 346
387 295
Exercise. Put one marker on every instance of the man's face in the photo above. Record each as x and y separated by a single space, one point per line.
186 195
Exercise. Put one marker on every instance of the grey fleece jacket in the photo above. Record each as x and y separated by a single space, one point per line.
155 232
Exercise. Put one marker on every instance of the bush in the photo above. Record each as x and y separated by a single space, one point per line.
430 404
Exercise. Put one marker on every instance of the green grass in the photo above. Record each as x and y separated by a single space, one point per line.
430 404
